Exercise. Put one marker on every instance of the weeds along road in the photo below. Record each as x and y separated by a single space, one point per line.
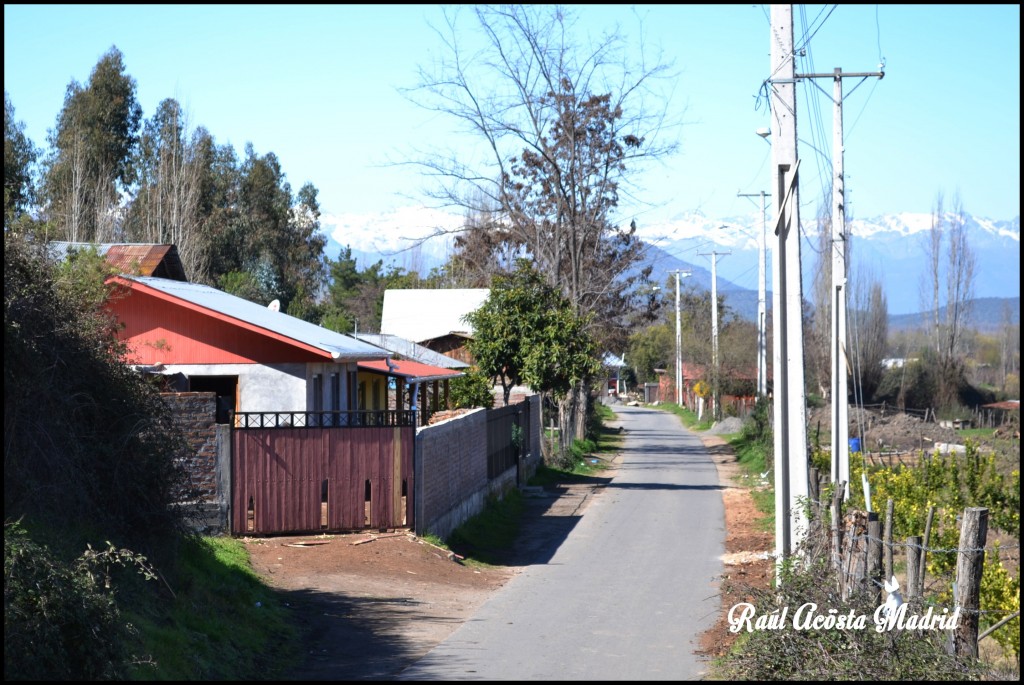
627 593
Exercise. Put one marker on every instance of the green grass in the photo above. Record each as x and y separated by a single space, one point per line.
688 417
752 456
215 620
482 538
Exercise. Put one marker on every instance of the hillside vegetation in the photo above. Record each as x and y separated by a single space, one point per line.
102 579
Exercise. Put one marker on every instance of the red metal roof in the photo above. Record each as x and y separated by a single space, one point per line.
1009 405
414 372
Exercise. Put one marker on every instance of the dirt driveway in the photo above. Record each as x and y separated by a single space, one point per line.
372 604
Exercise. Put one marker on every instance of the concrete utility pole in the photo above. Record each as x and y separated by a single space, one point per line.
789 401
840 293
716 397
762 314
679 341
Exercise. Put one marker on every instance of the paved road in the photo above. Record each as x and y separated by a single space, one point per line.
627 593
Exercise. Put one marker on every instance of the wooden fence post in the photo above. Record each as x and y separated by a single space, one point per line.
837 532
970 562
874 551
887 540
815 493
924 546
913 565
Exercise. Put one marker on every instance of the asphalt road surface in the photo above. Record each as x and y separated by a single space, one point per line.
628 591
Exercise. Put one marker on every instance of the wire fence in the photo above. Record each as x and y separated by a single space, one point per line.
860 547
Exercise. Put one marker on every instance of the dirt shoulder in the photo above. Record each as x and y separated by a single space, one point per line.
747 564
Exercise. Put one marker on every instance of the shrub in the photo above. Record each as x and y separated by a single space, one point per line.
831 654
60 620
472 390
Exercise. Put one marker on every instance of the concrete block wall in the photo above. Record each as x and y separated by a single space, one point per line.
451 473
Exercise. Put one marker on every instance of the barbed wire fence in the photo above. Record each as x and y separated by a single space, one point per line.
861 548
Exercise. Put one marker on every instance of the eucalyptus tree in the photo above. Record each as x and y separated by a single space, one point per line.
20 156
269 245
170 170
561 128
91 148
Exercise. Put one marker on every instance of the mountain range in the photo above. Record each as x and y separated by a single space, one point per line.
889 249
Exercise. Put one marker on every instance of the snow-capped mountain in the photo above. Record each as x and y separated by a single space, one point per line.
889 248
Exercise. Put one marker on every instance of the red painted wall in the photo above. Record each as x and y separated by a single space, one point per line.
160 331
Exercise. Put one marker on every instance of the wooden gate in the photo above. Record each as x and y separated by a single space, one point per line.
318 479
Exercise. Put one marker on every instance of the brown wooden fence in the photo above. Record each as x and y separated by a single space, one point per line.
314 479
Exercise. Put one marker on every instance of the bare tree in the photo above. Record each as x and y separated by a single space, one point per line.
819 338
949 319
560 128
1009 351
932 276
870 333
960 275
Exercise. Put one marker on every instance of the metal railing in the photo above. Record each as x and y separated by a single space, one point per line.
325 419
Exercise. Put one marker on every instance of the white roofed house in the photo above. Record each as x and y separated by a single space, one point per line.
433 317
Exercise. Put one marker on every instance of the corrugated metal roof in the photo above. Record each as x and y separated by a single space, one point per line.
1008 405
411 350
426 314
414 372
340 347
142 259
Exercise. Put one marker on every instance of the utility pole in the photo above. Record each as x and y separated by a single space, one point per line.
789 400
762 314
715 412
840 293
679 341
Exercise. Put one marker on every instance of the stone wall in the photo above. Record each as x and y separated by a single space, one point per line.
208 461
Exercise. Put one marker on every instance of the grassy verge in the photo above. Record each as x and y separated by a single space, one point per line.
482 538
216 620
689 418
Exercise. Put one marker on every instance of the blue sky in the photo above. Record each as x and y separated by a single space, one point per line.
318 86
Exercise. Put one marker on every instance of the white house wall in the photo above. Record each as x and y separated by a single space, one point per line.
261 387
345 372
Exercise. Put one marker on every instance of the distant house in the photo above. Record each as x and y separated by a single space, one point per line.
255 359
407 349
139 259
433 318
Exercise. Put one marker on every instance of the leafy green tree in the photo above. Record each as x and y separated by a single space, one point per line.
652 348
527 333
83 431
270 246
471 390
19 162
92 143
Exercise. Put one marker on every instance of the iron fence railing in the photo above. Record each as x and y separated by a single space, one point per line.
325 419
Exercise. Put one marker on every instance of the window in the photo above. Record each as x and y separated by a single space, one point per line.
318 399
336 398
